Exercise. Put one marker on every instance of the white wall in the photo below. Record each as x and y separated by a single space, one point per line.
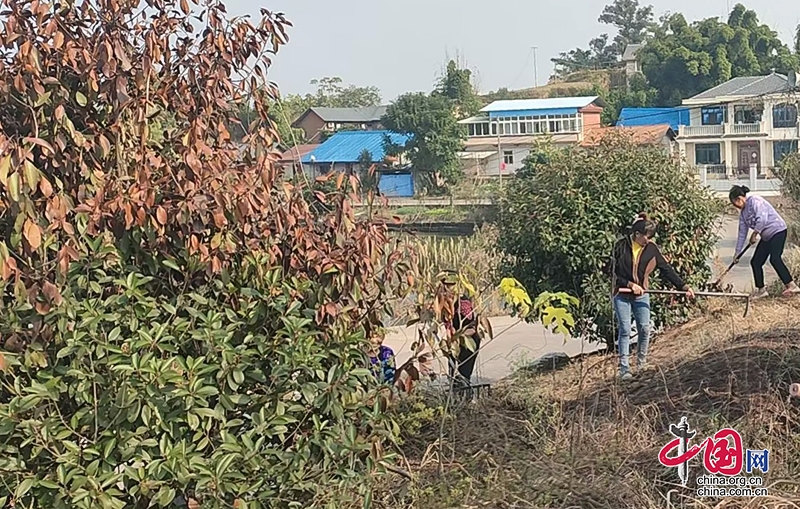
491 165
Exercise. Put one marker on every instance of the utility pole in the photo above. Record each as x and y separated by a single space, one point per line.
535 67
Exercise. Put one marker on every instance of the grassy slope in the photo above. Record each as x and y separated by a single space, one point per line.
580 439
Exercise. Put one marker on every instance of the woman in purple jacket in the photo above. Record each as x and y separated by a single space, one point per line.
759 215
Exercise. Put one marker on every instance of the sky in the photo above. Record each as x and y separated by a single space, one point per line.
402 46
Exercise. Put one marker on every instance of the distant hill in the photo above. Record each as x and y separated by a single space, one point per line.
577 84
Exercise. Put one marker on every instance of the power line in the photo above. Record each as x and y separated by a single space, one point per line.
522 71
708 105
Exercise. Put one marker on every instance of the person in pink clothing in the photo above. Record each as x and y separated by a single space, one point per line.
759 215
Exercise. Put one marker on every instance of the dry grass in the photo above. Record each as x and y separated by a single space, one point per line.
579 438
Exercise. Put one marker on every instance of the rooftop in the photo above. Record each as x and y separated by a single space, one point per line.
674 117
640 135
555 103
746 86
630 52
295 153
346 115
347 146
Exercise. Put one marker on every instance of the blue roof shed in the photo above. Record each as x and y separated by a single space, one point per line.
347 146
631 117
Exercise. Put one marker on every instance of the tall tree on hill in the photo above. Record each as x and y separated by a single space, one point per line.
683 59
600 55
456 85
632 20
797 40
633 23
332 94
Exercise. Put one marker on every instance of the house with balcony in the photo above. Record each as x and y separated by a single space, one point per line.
739 131
503 133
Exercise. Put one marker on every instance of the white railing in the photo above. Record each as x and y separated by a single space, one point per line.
701 130
721 130
745 129
720 178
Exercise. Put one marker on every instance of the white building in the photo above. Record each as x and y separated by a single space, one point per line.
630 60
739 131
502 135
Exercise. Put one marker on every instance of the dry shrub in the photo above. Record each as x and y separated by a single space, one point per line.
579 438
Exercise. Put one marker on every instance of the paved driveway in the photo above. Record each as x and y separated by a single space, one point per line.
741 275
517 344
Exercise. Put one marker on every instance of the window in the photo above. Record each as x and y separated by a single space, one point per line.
713 115
784 115
481 129
508 157
781 149
535 124
746 115
708 153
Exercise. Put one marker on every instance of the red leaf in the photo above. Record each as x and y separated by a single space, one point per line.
41 143
219 218
51 292
161 215
9 268
33 234
45 187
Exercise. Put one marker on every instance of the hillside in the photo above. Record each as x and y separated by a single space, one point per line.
579 438
577 84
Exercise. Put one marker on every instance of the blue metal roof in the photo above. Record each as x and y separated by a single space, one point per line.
347 146
630 117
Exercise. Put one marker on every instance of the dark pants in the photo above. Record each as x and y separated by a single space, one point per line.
465 363
772 249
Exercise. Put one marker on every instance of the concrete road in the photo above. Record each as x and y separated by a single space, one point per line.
517 344
741 276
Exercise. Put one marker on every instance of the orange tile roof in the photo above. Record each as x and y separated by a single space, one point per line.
640 135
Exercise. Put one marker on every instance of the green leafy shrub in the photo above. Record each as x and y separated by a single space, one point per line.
789 172
561 215
177 319
231 394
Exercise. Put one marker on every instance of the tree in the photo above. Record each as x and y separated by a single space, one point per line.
436 137
283 111
561 215
177 321
332 94
638 94
683 59
797 40
432 122
632 22
630 19
456 85
600 55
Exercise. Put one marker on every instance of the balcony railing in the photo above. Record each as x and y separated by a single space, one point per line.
721 130
744 129
720 177
701 130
